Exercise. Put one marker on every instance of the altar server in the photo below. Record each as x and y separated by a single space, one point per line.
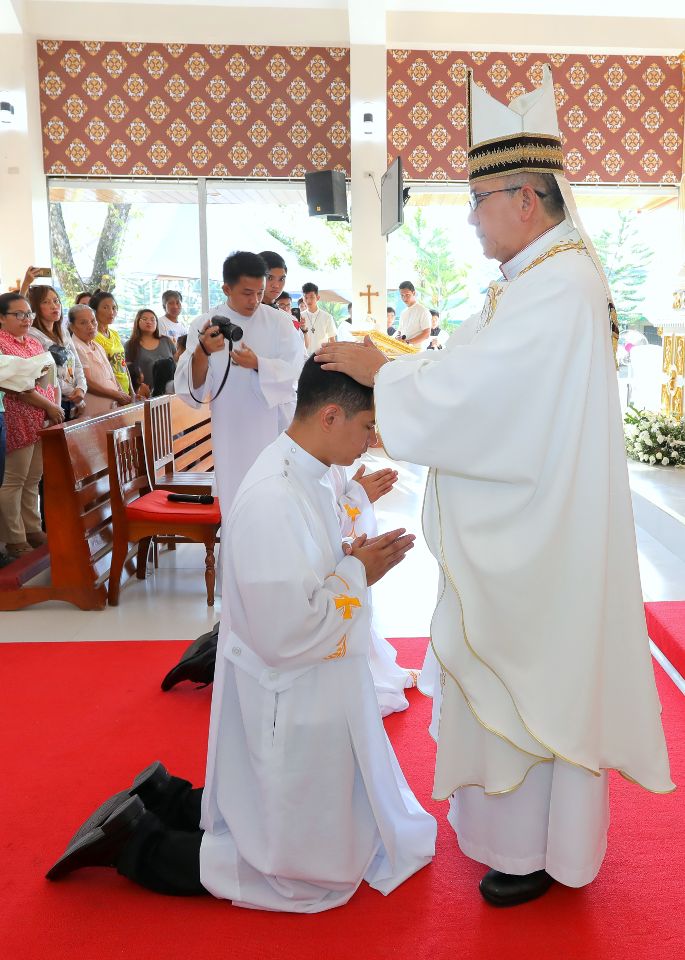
252 399
304 797
539 665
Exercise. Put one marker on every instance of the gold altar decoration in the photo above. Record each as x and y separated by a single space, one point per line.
674 370
388 346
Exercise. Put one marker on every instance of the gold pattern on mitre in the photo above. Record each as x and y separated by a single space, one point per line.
388 346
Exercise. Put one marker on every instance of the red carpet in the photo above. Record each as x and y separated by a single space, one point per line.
79 720
666 627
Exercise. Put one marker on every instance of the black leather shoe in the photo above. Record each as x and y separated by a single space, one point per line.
508 890
148 785
197 663
101 846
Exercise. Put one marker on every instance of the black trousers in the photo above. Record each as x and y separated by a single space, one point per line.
164 852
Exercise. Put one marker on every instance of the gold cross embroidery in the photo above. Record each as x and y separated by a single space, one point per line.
345 603
352 513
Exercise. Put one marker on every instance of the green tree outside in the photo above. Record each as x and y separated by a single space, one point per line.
440 283
625 260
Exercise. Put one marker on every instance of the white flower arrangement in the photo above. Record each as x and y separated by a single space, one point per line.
655 438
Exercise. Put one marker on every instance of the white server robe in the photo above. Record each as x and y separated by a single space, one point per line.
356 517
254 406
539 662
303 796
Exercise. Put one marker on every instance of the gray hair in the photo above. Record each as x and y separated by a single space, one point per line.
545 183
78 308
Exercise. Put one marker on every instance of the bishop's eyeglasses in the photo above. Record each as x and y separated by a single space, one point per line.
476 198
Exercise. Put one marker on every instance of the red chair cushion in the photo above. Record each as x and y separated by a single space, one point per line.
156 506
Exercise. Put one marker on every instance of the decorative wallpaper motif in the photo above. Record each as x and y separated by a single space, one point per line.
621 117
135 109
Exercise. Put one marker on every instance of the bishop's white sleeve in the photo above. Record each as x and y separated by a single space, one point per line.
20 373
278 375
293 616
487 409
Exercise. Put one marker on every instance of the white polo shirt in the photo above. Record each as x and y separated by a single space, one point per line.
415 319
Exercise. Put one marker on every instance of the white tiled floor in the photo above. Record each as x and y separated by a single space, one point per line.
170 603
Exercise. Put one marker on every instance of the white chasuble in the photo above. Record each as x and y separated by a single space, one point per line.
356 516
539 649
253 406
303 797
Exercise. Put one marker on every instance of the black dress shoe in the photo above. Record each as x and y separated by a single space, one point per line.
148 785
508 890
197 663
101 846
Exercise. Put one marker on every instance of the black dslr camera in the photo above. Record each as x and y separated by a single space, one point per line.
231 331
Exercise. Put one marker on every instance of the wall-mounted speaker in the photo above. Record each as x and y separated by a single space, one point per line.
326 194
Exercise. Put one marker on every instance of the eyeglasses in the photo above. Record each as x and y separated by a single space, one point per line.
20 315
476 198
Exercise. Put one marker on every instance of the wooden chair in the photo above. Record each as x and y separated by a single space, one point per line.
177 454
139 513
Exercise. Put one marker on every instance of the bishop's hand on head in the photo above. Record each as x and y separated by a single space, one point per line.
361 361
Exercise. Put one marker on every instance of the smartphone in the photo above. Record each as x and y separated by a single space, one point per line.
42 271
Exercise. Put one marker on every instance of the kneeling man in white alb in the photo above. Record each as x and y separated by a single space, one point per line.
304 797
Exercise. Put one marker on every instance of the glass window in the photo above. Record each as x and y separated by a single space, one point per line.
635 230
136 239
274 216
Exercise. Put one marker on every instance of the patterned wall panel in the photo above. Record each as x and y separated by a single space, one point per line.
135 109
621 117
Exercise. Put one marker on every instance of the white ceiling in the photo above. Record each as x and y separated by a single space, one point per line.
629 26
669 9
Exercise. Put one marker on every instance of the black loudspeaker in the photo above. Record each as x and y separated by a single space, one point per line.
326 194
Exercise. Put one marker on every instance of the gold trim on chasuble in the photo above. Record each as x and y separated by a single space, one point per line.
497 287
445 672
492 298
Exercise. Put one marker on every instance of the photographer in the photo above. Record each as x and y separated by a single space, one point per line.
250 383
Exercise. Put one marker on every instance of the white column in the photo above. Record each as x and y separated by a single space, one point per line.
368 94
24 238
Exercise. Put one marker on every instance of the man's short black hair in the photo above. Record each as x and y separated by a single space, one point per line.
317 387
283 296
391 310
435 313
273 260
309 288
244 264
407 285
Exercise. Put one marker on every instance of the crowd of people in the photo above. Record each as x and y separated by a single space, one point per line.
85 371
97 373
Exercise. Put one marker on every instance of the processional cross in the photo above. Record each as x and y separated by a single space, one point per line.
368 294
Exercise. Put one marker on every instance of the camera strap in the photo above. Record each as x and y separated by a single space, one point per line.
221 385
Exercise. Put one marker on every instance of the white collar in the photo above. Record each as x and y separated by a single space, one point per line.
513 267
297 456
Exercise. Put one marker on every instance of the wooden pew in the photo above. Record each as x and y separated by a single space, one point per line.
178 446
78 515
